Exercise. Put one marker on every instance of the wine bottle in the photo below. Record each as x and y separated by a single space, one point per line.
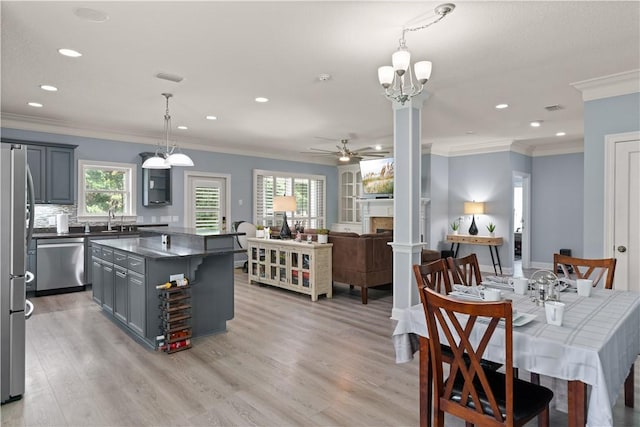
173 284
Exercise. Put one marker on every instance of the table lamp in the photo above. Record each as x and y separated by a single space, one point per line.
284 204
473 208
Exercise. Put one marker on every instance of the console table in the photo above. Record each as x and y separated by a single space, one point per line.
298 266
492 242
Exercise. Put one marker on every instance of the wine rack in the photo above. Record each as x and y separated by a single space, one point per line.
175 319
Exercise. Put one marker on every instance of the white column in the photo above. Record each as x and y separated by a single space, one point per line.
406 219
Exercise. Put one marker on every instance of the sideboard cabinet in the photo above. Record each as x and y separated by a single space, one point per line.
298 266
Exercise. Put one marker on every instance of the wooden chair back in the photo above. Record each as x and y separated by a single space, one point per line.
443 314
433 275
593 269
465 270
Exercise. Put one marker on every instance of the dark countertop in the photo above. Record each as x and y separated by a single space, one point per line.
51 235
184 231
152 247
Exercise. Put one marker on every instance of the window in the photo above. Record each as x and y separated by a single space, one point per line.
309 191
104 186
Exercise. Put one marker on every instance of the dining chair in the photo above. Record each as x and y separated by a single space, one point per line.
471 392
465 270
584 268
434 276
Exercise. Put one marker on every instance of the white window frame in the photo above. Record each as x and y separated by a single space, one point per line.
293 176
130 170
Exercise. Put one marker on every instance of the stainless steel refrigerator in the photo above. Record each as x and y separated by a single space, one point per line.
16 227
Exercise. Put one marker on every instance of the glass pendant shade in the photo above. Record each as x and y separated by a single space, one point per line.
156 162
385 76
179 159
400 60
423 71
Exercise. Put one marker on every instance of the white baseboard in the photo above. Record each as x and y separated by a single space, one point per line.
506 271
542 265
238 264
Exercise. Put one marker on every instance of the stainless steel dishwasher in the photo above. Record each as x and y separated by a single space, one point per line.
60 263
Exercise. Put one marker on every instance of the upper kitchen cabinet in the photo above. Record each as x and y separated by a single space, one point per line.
156 185
53 171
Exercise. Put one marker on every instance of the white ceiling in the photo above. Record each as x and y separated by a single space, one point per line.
523 53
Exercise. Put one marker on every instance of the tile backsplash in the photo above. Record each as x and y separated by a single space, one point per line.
44 212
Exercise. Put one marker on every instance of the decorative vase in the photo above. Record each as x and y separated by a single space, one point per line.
454 232
473 230
323 238
492 234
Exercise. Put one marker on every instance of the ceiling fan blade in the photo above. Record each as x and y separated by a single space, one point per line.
322 151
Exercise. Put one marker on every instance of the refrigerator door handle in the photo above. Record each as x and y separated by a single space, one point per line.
29 309
31 202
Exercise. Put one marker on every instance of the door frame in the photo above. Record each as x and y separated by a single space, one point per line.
610 142
525 257
188 209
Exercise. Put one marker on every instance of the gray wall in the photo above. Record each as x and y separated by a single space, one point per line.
240 168
437 190
618 114
556 206
483 178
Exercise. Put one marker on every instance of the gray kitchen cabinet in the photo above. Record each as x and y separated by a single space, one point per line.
136 312
108 285
36 156
156 185
53 170
96 287
121 293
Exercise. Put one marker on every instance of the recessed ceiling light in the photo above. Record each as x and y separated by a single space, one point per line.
91 15
211 118
261 99
181 127
324 77
70 53
502 106
470 132
49 88
34 104
561 134
536 124
378 147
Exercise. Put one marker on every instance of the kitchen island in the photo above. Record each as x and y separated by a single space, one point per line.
127 271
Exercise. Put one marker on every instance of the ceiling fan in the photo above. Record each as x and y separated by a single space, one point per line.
344 154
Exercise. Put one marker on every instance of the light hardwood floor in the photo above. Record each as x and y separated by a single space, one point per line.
284 361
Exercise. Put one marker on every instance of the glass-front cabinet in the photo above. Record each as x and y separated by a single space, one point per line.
350 181
298 266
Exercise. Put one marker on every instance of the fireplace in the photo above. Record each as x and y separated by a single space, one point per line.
380 223
378 214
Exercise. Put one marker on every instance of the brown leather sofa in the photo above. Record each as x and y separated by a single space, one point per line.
364 260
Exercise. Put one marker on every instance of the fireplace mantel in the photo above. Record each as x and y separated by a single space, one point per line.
384 208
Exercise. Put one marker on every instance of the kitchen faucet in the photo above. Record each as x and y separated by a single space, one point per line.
110 215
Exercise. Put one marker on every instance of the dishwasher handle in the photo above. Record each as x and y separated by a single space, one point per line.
59 245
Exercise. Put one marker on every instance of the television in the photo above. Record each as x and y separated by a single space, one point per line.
377 177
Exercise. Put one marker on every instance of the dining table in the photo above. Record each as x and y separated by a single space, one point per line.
595 347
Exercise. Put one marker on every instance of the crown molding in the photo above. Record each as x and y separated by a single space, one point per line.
29 123
566 147
607 86
468 148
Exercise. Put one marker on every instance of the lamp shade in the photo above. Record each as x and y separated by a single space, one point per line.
284 204
423 71
179 159
385 76
400 60
473 208
156 162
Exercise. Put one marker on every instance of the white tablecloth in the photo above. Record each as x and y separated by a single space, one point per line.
597 343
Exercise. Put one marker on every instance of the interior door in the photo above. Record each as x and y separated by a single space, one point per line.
626 228
207 203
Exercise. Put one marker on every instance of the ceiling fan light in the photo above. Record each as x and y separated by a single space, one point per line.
156 162
179 159
423 71
344 158
385 76
400 60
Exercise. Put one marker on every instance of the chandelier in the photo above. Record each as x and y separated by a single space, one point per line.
399 83
170 157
